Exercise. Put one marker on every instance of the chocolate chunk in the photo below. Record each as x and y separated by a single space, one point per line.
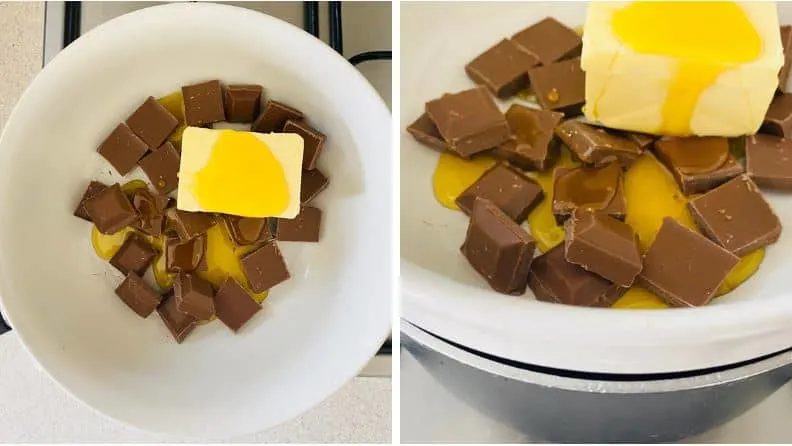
514 193
313 182
194 296
203 103
135 255
469 121
189 224
242 102
603 245
153 123
425 132
94 187
549 40
110 210
138 295
313 142
736 216
786 42
553 279
778 119
265 267
248 231
597 146
274 117
162 168
122 149
305 227
532 143
184 256
151 211
234 305
698 163
179 323
768 161
683 267
503 69
560 86
643 140
589 188
498 248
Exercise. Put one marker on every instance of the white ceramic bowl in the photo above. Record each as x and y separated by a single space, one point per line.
315 332
443 295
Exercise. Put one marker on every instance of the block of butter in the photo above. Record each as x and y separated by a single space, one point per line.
681 68
240 173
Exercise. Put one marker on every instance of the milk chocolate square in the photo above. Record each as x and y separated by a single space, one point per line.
778 119
122 149
560 86
162 168
183 256
313 139
683 267
313 182
514 193
736 216
194 296
135 255
234 305
153 123
242 102
203 103
469 121
498 248
180 324
549 40
532 143
94 187
110 210
768 161
712 165
589 188
786 42
597 146
265 267
305 227
425 132
138 295
189 224
151 211
503 69
274 117
248 231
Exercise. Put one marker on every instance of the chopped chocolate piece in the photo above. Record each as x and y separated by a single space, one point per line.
683 267
736 216
778 119
234 305
425 132
597 146
189 224
503 69
135 255
313 182
768 161
786 42
549 40
698 163
153 123
514 193
553 279
151 211
643 140
469 121
589 188
203 103
313 142
274 117
138 295
265 267
532 143
110 210
560 86
305 227
162 168
194 296
184 256
179 323
122 149
248 231
603 245
498 248
94 187
242 102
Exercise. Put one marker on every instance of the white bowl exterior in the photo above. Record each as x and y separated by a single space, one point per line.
443 295
315 332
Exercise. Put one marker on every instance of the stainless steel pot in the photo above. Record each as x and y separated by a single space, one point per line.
583 408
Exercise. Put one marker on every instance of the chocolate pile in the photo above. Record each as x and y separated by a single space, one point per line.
150 138
600 257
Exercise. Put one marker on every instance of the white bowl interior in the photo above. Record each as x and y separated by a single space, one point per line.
315 332
444 295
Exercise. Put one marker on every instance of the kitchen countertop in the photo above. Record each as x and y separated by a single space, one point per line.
33 408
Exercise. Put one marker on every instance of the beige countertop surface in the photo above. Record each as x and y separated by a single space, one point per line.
33 408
